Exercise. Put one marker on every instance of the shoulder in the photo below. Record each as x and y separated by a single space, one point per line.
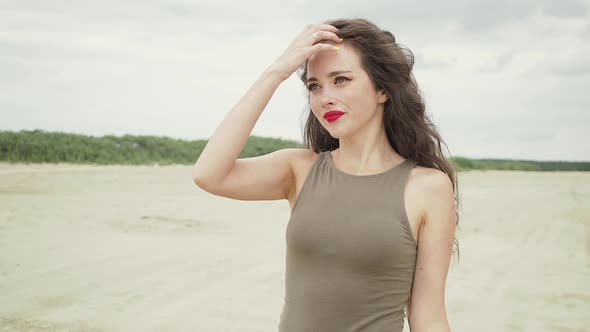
298 156
431 188
430 181
300 160
294 155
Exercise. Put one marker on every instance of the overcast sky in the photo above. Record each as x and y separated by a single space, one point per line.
501 79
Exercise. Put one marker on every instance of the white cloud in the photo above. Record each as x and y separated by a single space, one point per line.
501 79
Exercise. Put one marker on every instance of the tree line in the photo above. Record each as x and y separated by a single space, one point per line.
39 146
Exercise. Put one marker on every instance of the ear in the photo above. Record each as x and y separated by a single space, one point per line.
382 96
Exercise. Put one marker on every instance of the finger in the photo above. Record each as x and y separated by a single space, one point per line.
322 47
306 29
310 29
325 35
326 27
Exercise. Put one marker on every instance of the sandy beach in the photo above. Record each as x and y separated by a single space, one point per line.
141 248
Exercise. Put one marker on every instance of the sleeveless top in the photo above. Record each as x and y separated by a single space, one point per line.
350 253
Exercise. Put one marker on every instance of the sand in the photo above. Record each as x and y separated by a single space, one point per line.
141 248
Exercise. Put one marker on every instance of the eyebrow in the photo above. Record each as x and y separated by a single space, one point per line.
334 73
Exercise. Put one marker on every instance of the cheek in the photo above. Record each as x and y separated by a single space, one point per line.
314 104
315 108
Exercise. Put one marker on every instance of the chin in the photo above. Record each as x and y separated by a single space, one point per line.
336 134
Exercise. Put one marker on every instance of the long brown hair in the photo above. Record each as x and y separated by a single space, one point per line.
410 131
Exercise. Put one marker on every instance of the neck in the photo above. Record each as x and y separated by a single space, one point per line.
366 151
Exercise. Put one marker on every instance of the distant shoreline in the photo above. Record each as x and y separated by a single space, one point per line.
42 147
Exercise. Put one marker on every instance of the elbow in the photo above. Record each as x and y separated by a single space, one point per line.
208 176
198 179
203 181
198 175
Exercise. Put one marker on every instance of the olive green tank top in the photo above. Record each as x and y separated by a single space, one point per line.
350 253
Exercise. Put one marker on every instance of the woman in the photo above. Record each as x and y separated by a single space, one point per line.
372 197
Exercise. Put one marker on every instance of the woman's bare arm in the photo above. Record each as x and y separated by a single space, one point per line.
218 170
224 146
434 190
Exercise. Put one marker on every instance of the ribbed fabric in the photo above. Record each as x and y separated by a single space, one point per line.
350 254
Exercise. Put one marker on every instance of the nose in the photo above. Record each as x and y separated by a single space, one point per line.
326 99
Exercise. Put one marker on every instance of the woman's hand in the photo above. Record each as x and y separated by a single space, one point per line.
304 46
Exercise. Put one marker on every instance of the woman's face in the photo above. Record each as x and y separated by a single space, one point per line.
337 82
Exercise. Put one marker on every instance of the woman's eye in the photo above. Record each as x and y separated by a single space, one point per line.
341 77
338 79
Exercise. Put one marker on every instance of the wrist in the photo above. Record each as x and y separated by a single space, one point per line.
274 75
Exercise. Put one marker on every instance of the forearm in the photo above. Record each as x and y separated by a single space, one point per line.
228 140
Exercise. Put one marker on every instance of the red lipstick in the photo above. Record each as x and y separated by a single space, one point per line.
332 116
